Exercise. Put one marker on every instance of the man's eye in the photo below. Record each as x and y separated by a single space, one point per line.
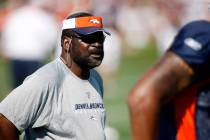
94 39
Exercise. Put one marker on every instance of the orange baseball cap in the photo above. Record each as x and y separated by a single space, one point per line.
84 25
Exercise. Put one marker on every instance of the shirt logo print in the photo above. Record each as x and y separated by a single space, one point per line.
93 118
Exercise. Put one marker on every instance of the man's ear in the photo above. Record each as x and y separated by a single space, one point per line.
66 44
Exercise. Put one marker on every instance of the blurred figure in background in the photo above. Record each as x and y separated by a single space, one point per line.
111 133
83 5
63 8
167 22
170 16
195 10
132 22
29 34
13 4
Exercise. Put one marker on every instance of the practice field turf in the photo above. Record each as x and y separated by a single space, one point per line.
5 79
132 67
131 70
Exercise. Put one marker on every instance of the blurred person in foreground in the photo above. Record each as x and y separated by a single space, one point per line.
172 100
63 99
28 37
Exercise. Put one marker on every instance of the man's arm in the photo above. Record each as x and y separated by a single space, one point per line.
7 130
169 76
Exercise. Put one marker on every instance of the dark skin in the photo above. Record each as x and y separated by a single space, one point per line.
80 55
83 54
158 86
7 130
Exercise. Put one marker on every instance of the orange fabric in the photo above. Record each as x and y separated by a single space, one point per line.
185 110
89 21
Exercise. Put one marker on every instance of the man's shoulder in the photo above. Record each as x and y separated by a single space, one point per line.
50 72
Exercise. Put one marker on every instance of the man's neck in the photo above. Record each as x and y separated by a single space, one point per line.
76 69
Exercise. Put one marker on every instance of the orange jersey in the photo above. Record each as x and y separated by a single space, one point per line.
178 121
184 114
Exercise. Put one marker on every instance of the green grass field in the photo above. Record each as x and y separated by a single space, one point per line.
5 79
131 70
132 67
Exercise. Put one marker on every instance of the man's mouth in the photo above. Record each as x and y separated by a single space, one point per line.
95 55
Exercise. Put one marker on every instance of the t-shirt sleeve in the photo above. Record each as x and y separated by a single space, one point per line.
97 81
25 105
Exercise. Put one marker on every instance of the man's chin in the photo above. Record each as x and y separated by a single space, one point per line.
94 64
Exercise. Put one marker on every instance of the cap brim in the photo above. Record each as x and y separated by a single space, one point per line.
89 30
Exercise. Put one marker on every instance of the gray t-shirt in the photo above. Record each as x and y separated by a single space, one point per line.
54 104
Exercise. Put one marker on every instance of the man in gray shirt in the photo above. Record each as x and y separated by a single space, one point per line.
63 99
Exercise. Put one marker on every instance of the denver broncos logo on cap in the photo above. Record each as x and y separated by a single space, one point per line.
95 21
